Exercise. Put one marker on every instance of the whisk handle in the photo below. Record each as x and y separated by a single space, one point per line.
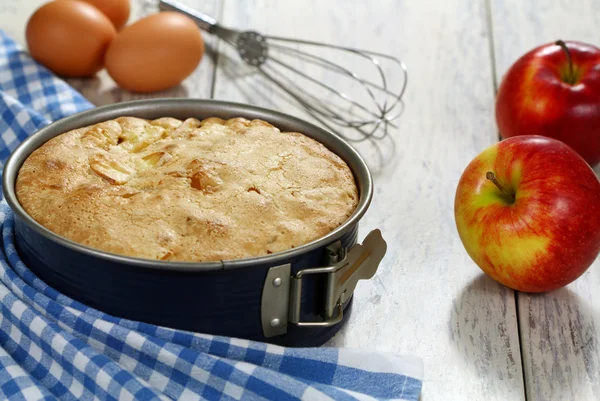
204 21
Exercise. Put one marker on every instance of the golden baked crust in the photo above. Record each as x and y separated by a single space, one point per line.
187 190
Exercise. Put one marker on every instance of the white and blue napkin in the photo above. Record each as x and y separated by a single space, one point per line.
52 347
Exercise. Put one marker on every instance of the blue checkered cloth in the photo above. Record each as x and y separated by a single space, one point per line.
53 347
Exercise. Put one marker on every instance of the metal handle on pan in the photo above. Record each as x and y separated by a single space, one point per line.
281 297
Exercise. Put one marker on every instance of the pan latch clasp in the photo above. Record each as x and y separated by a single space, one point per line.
282 293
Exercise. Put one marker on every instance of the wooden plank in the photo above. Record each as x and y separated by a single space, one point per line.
560 331
428 298
102 89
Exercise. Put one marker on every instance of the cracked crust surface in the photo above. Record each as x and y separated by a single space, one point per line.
187 190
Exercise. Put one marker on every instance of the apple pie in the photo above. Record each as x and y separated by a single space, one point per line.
188 190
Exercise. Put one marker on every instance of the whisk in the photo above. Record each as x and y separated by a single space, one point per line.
353 106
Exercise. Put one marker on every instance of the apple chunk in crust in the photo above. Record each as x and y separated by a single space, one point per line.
547 233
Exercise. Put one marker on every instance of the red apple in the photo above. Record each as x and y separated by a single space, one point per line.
554 91
527 210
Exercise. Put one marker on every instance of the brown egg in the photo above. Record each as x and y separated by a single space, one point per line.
69 37
155 53
116 10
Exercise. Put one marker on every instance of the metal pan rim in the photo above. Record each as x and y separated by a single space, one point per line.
153 106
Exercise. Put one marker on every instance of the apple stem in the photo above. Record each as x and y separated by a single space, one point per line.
563 45
492 177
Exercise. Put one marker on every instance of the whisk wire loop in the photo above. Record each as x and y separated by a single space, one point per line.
371 118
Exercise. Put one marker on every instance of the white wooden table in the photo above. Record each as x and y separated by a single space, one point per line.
479 341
